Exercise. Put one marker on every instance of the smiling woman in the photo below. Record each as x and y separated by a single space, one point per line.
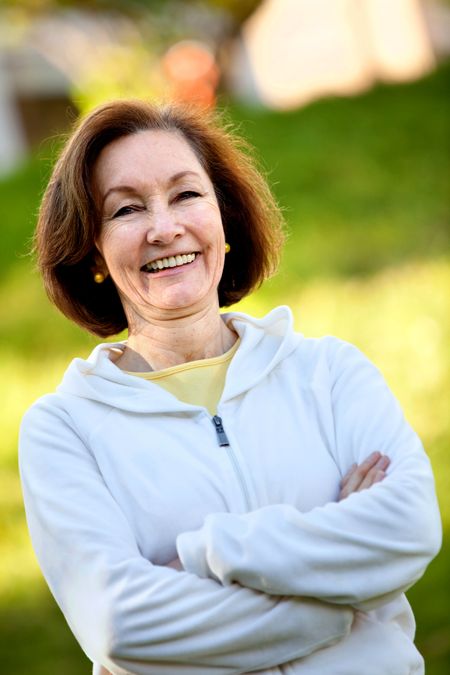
73 209
217 493
161 239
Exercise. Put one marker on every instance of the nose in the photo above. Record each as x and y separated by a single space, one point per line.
163 226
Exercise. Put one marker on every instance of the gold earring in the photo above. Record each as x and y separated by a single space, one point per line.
99 277
227 247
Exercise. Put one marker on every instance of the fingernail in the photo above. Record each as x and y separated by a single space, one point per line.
383 462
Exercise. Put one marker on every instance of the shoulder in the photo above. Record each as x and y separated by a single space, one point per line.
330 356
48 405
44 420
327 357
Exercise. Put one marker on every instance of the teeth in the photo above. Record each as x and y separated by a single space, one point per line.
172 261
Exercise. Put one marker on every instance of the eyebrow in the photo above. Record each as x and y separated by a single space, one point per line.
130 189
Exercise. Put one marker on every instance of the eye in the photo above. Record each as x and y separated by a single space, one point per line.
126 210
187 194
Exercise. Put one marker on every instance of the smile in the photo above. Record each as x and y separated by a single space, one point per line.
171 261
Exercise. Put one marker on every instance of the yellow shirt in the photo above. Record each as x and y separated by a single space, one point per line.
196 382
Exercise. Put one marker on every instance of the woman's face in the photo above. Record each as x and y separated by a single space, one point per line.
161 237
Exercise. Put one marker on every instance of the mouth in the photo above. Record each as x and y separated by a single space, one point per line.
171 261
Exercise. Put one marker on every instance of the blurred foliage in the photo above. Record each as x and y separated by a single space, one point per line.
239 10
364 186
121 71
119 53
100 5
343 169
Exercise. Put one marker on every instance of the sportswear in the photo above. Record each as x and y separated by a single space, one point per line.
119 477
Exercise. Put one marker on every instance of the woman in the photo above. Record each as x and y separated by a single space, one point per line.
184 489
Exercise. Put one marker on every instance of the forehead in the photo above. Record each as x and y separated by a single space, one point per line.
151 155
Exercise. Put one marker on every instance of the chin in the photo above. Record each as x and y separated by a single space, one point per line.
178 304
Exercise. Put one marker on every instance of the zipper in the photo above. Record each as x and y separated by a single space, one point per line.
222 440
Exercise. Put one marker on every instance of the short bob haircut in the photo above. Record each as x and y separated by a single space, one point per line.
69 220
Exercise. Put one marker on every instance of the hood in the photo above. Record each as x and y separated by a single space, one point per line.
264 344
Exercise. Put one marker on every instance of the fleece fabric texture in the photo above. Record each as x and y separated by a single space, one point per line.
120 478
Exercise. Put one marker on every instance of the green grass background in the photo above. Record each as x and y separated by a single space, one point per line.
364 183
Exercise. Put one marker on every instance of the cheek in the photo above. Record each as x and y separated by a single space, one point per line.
117 241
209 222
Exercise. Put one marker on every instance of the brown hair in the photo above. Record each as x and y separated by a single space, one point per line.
69 220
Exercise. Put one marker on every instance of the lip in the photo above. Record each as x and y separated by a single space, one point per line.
169 255
167 271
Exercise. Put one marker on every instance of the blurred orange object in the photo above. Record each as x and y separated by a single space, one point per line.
192 72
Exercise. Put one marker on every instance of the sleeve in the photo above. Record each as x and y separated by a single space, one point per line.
361 551
128 614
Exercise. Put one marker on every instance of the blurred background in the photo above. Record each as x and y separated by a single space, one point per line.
347 105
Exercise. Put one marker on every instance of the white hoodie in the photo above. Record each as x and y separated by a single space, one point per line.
120 477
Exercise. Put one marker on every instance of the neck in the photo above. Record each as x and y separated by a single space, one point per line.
172 341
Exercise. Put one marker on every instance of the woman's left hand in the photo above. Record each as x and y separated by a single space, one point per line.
362 476
175 564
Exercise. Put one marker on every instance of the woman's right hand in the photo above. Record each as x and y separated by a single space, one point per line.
362 476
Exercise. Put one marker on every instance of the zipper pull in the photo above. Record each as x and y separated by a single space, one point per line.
222 438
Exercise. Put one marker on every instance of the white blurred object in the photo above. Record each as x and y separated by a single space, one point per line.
401 46
298 50
12 137
437 16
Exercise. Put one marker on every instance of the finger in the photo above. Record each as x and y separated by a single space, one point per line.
375 474
349 473
379 476
360 472
175 564
363 467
